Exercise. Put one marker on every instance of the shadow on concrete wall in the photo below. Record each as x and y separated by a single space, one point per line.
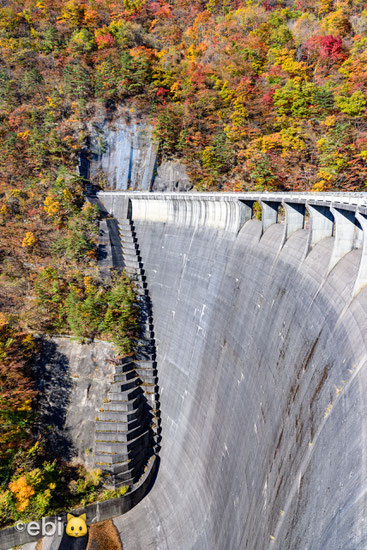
54 384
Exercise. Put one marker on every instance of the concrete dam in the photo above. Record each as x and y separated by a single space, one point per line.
260 331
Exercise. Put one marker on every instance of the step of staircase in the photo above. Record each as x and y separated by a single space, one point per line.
118 463
145 364
146 369
115 394
148 333
143 376
112 415
146 340
126 230
123 385
121 447
130 261
124 222
121 406
133 268
148 379
125 367
130 253
121 436
130 271
127 235
125 376
130 475
127 239
145 348
120 426
133 247
141 285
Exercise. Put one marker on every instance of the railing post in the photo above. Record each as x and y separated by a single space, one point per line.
345 230
361 279
269 213
246 211
321 224
294 218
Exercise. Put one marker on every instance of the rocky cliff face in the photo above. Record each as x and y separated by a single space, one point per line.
172 176
73 381
121 155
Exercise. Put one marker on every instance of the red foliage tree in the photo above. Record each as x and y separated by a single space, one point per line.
16 392
327 47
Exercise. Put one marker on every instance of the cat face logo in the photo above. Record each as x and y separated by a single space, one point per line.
76 526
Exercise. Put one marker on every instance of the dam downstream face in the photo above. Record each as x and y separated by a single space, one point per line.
261 361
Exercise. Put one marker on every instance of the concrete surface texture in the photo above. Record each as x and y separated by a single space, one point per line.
261 353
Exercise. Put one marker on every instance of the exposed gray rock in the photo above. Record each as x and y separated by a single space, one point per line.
122 154
73 379
172 176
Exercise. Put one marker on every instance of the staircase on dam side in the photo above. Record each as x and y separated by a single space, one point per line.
127 423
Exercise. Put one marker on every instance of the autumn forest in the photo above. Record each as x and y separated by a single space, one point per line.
257 95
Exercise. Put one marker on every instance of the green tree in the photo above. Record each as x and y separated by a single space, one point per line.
352 105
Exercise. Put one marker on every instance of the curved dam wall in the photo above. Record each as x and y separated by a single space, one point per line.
261 339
